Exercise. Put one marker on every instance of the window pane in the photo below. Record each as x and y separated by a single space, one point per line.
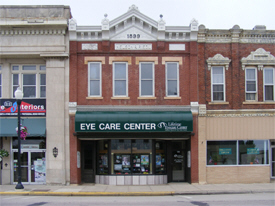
218 96
120 87
102 146
250 74
43 91
30 67
121 153
160 157
250 96
251 86
94 71
15 68
268 76
42 79
172 87
217 74
172 71
221 153
146 71
146 87
269 92
218 88
120 71
29 79
15 79
95 87
29 91
0 79
253 152
42 67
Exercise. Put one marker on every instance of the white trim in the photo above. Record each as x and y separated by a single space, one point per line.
166 79
212 84
1 82
152 79
126 63
256 80
273 84
100 79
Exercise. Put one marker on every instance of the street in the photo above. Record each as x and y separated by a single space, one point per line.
259 199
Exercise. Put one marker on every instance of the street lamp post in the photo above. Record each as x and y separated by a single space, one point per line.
19 96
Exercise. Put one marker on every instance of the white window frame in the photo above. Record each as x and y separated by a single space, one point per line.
213 84
256 82
100 79
21 72
152 79
273 84
126 63
166 79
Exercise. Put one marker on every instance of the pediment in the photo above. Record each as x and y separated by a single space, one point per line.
218 60
133 33
259 58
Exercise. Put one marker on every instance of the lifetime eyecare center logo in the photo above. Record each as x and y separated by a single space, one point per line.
161 126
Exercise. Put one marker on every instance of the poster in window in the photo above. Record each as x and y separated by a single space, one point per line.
144 159
118 167
158 160
40 170
126 160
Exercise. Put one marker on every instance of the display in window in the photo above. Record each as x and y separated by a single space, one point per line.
144 159
125 160
103 164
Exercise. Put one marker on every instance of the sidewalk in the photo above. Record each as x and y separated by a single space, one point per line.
148 190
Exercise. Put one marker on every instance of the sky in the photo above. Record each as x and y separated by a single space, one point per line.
214 14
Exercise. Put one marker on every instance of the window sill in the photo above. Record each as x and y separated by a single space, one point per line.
172 97
258 102
94 97
214 103
147 98
120 97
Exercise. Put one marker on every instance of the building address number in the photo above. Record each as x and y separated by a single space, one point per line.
133 36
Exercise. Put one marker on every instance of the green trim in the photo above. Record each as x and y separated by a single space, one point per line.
176 121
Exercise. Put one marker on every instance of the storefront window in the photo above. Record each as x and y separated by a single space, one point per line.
103 157
160 157
131 157
221 153
253 152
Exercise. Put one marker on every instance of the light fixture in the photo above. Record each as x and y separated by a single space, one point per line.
55 152
19 96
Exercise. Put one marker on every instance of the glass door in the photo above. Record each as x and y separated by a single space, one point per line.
33 166
273 162
178 161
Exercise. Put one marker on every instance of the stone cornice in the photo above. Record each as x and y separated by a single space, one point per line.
238 113
31 31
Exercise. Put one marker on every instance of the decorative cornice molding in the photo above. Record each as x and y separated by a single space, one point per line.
239 115
13 32
218 60
258 58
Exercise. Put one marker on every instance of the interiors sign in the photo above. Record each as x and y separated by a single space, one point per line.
28 107
131 127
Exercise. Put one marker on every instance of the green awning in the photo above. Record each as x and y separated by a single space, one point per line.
143 121
36 126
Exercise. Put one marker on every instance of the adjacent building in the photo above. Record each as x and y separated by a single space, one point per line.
34 56
237 105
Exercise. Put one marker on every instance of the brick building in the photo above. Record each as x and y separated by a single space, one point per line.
133 101
236 98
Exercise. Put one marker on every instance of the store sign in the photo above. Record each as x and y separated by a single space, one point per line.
132 127
253 151
28 107
225 151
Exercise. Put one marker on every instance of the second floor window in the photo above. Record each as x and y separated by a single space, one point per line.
31 78
250 84
172 79
120 79
268 84
94 79
218 83
146 79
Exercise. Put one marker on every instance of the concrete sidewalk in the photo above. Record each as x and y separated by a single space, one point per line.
148 190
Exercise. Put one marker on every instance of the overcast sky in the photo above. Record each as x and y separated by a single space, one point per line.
214 14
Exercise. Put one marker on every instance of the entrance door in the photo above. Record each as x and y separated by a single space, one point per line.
178 161
33 166
273 162
88 162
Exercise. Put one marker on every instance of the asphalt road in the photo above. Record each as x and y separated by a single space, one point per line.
259 199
